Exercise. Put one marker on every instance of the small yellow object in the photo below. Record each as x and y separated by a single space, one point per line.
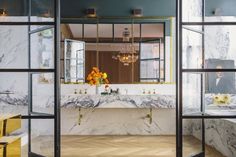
221 99
104 75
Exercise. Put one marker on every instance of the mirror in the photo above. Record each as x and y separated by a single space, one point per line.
74 61
128 52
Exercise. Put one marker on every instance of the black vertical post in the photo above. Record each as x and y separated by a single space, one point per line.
29 77
140 42
180 81
202 78
57 128
159 70
83 31
164 52
178 144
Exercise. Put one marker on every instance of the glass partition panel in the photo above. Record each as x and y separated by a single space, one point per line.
191 93
13 47
13 93
42 137
192 137
220 137
192 10
42 49
216 89
219 46
192 47
42 11
43 93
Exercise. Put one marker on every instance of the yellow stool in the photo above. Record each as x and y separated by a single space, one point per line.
10 146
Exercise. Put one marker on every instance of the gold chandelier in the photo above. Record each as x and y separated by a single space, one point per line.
127 54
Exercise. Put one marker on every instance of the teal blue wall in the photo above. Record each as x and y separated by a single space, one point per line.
75 8
14 7
228 7
20 7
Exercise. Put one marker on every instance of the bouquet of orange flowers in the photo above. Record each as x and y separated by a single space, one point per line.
95 77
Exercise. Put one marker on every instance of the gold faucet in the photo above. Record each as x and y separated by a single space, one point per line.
80 117
149 116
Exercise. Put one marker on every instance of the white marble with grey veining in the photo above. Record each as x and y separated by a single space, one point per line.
98 121
95 101
219 133
119 101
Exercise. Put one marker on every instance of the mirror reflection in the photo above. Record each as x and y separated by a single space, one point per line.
126 52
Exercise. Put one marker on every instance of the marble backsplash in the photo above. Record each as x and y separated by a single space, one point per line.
124 89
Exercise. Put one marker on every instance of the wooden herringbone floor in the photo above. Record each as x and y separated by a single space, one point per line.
118 146
129 146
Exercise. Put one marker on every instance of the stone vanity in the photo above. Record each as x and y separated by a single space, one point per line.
124 114
118 101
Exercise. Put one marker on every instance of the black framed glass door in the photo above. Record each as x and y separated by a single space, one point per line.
204 64
34 65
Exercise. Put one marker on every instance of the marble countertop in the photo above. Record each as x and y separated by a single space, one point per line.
14 99
109 101
118 101
94 101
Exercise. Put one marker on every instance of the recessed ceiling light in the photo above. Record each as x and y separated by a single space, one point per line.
137 12
3 12
91 12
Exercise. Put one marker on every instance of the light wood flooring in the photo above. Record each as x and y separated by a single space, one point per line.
125 146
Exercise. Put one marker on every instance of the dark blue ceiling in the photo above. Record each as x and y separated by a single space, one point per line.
76 8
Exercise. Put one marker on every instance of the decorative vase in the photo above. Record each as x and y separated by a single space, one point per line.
97 89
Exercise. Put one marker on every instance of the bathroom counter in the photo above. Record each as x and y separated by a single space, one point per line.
118 101
93 101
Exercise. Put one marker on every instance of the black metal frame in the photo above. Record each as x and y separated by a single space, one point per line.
56 71
159 59
179 79
140 41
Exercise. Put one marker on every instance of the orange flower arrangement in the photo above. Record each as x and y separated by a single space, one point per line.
95 77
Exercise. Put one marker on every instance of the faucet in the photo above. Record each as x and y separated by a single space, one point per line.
144 92
149 116
80 117
154 91
117 91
